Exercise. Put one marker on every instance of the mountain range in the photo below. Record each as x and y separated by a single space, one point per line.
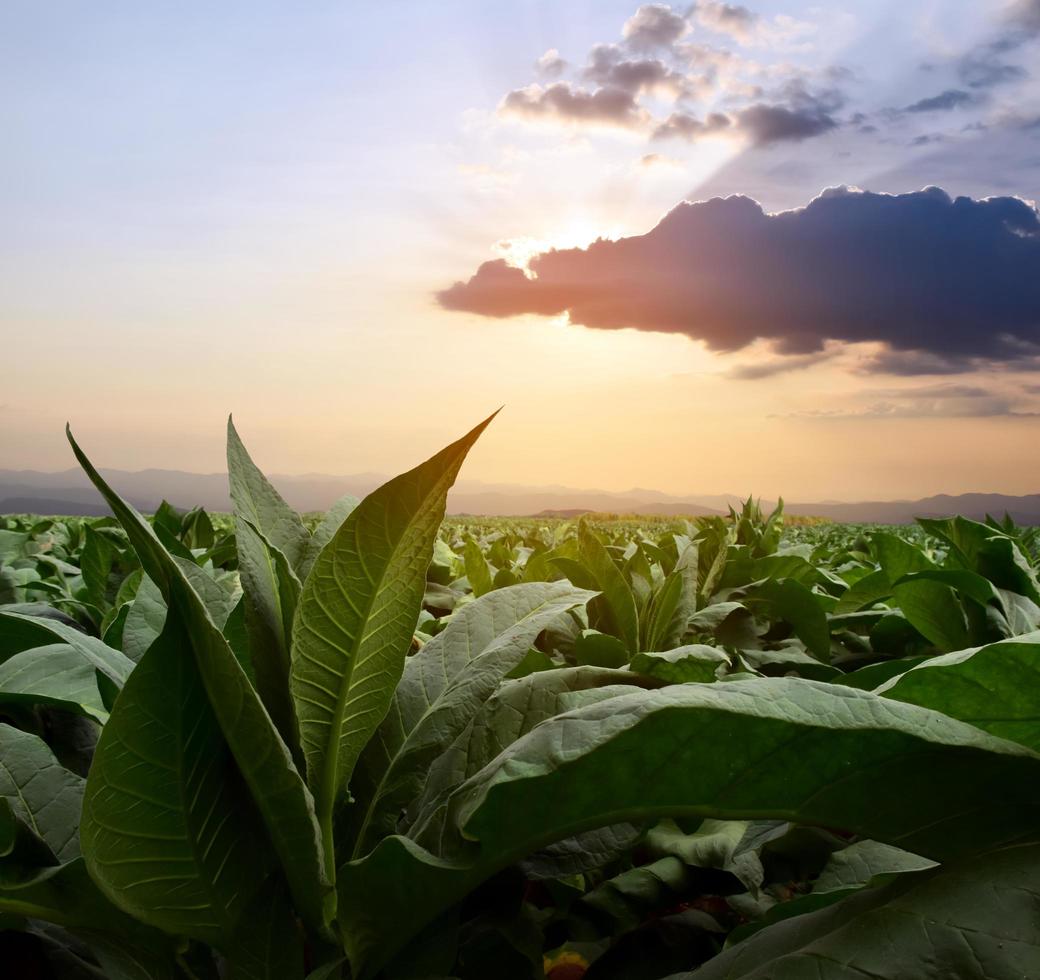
69 492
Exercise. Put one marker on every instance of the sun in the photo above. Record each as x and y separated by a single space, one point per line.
577 231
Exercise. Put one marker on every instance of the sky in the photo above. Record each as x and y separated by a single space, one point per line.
782 248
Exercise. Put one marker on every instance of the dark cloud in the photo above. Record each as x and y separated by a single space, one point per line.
952 98
939 282
565 102
986 65
780 365
683 125
797 114
767 124
913 363
654 25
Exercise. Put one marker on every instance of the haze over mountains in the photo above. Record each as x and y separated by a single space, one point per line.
69 492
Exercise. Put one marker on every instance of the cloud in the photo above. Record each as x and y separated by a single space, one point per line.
939 283
767 124
726 18
780 365
622 84
984 66
550 64
610 68
654 25
564 102
684 125
799 114
927 401
952 98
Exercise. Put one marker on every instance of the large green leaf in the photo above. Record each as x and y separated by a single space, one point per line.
356 617
995 687
262 756
442 688
57 675
19 633
781 748
271 541
989 552
510 713
974 920
257 501
41 792
169 832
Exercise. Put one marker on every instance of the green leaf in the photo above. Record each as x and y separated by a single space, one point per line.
690 663
147 613
866 592
935 612
583 853
595 649
355 620
324 532
268 945
257 501
795 604
442 688
96 563
778 748
168 831
617 602
629 897
66 896
858 864
41 792
510 713
995 687
19 633
477 569
272 592
277 788
975 920
57 675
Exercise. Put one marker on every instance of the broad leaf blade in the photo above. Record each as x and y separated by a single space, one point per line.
975 920
443 686
356 616
995 687
777 748
258 502
41 792
169 833
264 760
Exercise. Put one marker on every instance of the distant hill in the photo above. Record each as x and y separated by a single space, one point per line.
70 492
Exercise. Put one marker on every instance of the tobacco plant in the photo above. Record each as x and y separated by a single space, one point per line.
370 745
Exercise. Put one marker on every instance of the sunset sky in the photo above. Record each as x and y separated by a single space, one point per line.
332 219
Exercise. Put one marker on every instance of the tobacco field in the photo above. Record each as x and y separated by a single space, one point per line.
378 745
